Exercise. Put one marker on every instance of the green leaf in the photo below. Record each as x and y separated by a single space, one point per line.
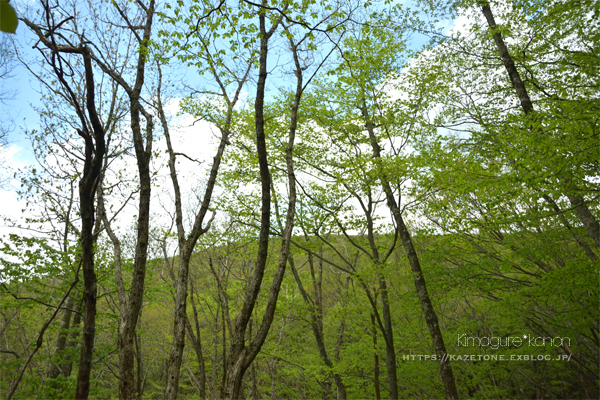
8 17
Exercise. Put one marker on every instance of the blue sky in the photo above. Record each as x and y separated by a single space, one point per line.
18 109
26 88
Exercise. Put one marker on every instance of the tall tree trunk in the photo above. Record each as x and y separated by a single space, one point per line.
375 359
94 158
241 356
187 243
581 209
89 295
129 310
390 351
131 305
421 287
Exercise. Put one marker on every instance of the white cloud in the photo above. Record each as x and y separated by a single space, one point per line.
12 207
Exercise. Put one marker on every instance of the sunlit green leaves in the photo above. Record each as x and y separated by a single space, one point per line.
26 258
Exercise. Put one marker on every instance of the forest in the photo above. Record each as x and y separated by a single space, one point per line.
303 199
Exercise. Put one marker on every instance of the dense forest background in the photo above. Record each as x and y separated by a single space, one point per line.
304 199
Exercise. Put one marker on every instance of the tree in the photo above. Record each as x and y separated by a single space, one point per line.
509 171
334 144
558 82
361 79
95 147
240 355
187 243
92 51
576 200
130 306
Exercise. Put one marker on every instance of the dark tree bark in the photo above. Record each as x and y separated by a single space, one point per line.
241 356
130 305
95 149
87 193
187 243
94 139
420 284
376 359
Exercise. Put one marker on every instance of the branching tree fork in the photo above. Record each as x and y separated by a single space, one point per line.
93 134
